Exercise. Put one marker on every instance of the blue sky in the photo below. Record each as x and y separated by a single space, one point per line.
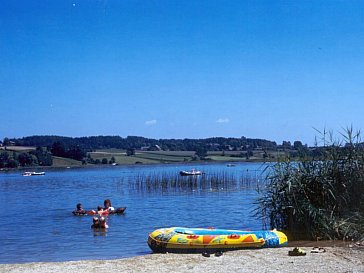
181 69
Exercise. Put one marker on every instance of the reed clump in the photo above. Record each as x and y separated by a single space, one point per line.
319 196
216 181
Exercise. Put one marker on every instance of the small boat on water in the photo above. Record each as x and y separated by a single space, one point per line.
199 240
33 173
192 172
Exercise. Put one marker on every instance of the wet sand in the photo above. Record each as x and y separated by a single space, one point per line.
334 259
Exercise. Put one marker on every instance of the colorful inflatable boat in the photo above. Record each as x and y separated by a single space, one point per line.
197 240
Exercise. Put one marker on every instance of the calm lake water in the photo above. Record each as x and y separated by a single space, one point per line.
39 226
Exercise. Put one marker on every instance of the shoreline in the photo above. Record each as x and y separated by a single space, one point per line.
101 166
334 259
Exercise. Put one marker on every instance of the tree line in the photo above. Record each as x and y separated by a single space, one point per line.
137 142
38 157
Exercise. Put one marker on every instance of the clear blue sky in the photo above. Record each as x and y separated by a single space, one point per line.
181 69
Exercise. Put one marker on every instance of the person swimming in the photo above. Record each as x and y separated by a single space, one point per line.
79 210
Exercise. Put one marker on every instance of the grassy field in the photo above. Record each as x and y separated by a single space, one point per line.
65 162
150 157
166 156
112 151
120 158
144 157
19 149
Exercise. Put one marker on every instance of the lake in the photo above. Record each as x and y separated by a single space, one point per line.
39 226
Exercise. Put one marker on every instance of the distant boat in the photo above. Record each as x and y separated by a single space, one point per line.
192 172
230 165
33 173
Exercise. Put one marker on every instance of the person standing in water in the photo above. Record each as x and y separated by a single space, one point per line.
103 223
99 223
107 205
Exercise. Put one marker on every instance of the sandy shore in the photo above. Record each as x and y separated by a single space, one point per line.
335 259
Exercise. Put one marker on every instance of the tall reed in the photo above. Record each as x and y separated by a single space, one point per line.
322 196
216 181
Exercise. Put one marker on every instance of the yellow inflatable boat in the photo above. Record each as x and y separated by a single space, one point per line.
196 240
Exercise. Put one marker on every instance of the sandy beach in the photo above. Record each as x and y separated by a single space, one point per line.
334 259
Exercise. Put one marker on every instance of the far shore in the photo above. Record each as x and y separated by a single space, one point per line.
333 259
95 166
140 158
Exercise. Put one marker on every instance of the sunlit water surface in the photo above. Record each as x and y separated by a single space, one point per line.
38 224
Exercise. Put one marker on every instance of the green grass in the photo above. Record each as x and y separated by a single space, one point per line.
166 156
101 155
146 157
171 153
120 158
65 162
226 158
19 149
112 150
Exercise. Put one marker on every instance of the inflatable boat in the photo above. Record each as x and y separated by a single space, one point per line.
198 240
103 213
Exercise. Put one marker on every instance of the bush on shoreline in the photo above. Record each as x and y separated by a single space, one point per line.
320 197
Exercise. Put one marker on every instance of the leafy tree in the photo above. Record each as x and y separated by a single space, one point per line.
4 157
130 151
286 144
12 163
25 159
6 141
44 157
76 153
89 159
297 145
58 149
201 151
